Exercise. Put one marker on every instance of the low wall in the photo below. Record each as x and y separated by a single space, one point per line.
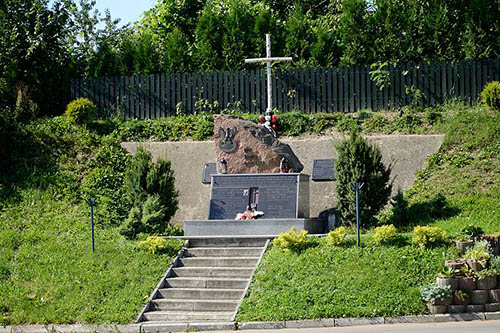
406 153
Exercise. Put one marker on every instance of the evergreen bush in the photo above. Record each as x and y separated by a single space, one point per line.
293 240
385 235
150 190
81 110
360 162
337 237
491 95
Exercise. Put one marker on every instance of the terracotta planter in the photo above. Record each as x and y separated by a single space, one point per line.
467 283
455 264
452 282
479 297
437 309
487 283
494 296
456 308
474 308
459 301
462 246
491 307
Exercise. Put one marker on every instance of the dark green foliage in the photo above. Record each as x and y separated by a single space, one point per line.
491 95
81 110
150 187
360 162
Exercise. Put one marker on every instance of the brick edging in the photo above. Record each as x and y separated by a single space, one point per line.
208 326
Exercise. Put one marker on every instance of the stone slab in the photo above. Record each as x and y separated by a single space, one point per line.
323 170
209 169
466 316
310 323
492 315
164 327
29 329
264 227
260 325
409 319
212 326
344 322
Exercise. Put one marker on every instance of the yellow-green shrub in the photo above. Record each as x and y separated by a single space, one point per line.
491 95
386 234
426 236
154 244
81 110
336 237
292 240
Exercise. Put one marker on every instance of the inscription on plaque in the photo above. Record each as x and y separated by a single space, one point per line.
209 169
323 170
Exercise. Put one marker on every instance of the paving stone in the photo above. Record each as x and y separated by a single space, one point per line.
409 319
29 329
467 316
443 317
258 325
209 326
492 315
342 322
310 323
161 327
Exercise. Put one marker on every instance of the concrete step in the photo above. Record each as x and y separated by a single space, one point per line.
179 326
219 262
201 282
219 272
187 315
200 293
178 304
227 242
223 252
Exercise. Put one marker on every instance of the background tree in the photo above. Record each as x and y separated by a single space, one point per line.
360 162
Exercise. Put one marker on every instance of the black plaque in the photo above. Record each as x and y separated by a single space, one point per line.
323 170
209 169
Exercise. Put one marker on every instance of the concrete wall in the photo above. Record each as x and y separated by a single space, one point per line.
406 153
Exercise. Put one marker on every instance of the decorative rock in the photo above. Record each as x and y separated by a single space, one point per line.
467 283
479 297
494 295
474 308
250 148
456 308
452 282
487 283
492 307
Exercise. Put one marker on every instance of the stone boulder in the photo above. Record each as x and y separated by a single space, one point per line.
250 148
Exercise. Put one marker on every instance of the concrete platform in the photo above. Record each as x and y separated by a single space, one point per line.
258 227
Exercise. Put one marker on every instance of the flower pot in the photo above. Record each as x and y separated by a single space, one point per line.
487 283
452 282
467 283
479 297
494 296
456 308
492 307
455 264
476 266
436 309
459 301
474 308
462 246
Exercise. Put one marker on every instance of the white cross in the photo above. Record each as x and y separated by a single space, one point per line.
268 60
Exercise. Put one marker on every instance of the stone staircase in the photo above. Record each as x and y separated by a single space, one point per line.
205 283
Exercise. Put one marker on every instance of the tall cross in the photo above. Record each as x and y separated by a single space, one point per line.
268 60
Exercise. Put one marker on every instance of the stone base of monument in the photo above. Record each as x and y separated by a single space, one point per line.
257 227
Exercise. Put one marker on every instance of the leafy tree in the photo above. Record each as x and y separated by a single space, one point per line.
176 52
208 39
360 162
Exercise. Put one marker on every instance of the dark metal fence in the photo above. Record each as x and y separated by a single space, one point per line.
343 89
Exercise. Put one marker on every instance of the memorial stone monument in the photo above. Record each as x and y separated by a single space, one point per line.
256 173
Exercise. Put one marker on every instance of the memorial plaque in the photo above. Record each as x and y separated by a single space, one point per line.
209 169
277 195
323 170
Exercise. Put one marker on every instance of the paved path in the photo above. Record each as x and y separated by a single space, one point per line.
489 326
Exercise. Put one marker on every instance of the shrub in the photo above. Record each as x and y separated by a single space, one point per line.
495 264
337 237
491 95
81 110
424 236
480 252
362 163
433 292
150 187
158 245
386 234
293 241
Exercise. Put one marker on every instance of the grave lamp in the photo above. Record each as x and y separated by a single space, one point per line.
223 166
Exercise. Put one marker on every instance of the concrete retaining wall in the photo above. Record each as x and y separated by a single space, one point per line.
406 153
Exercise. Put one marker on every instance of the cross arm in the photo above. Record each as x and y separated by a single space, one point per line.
252 60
